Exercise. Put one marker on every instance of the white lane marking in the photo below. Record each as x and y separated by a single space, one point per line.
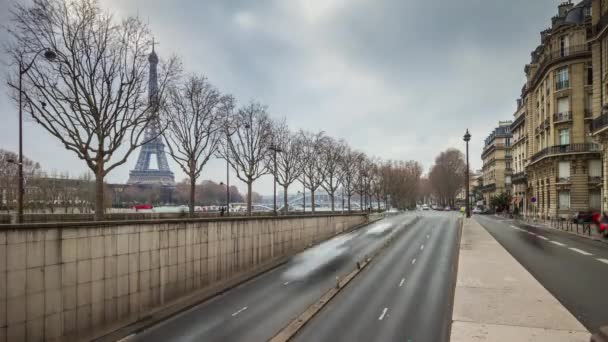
514 227
382 315
238 312
580 251
557 243
413 261
427 236
286 283
605 261
422 247
542 237
401 282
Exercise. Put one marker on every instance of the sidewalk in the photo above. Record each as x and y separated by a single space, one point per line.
496 299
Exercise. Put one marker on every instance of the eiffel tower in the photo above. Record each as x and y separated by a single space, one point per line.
143 174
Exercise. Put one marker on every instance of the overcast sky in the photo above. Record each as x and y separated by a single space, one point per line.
397 79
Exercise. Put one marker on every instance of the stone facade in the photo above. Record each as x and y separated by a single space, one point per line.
69 281
497 168
556 162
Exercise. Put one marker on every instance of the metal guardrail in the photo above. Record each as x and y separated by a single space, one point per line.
599 122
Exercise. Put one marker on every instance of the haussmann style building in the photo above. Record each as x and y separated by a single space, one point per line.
497 168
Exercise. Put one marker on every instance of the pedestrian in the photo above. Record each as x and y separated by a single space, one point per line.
222 211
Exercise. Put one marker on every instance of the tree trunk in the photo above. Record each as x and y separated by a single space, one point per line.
312 200
192 193
99 195
285 207
249 187
331 196
378 202
349 203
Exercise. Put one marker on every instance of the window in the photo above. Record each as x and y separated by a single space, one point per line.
563 46
588 106
564 199
589 73
564 136
595 200
563 108
564 171
595 168
562 79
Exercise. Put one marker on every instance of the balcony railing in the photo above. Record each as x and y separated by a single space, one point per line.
595 179
563 116
564 149
520 177
599 122
488 187
562 179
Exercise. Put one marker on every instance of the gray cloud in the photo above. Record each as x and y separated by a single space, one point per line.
397 79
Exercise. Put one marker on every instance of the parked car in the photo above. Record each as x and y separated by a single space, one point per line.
477 210
447 208
425 207
585 217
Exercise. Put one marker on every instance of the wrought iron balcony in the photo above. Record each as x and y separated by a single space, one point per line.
564 149
562 179
559 85
600 122
488 187
563 116
520 177
546 59
595 179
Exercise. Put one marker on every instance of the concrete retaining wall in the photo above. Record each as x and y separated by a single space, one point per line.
65 281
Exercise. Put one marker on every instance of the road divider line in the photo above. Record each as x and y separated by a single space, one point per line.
515 227
413 261
542 237
558 243
286 283
605 261
239 311
579 251
427 237
382 314
422 247
403 280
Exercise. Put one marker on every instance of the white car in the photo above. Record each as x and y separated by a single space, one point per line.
477 210
425 207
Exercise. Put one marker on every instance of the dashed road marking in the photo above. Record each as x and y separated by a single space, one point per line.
580 251
422 247
239 311
382 314
413 261
401 282
286 283
515 227
605 261
542 237
427 236
557 243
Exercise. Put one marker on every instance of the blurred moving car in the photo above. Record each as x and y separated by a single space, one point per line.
603 226
447 208
425 207
585 217
477 210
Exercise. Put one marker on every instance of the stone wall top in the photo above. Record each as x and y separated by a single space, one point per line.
114 223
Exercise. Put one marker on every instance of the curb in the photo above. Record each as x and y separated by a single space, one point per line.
292 328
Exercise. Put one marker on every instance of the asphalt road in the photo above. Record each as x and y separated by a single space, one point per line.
259 308
405 295
574 269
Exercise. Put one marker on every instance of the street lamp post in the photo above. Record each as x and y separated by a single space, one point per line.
275 149
467 138
49 55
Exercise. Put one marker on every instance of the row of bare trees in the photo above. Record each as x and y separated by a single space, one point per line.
446 177
91 94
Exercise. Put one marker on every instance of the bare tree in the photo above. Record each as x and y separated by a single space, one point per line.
312 175
289 161
9 177
247 148
447 175
92 96
193 117
348 165
332 153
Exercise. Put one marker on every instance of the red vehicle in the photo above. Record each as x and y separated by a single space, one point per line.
142 206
